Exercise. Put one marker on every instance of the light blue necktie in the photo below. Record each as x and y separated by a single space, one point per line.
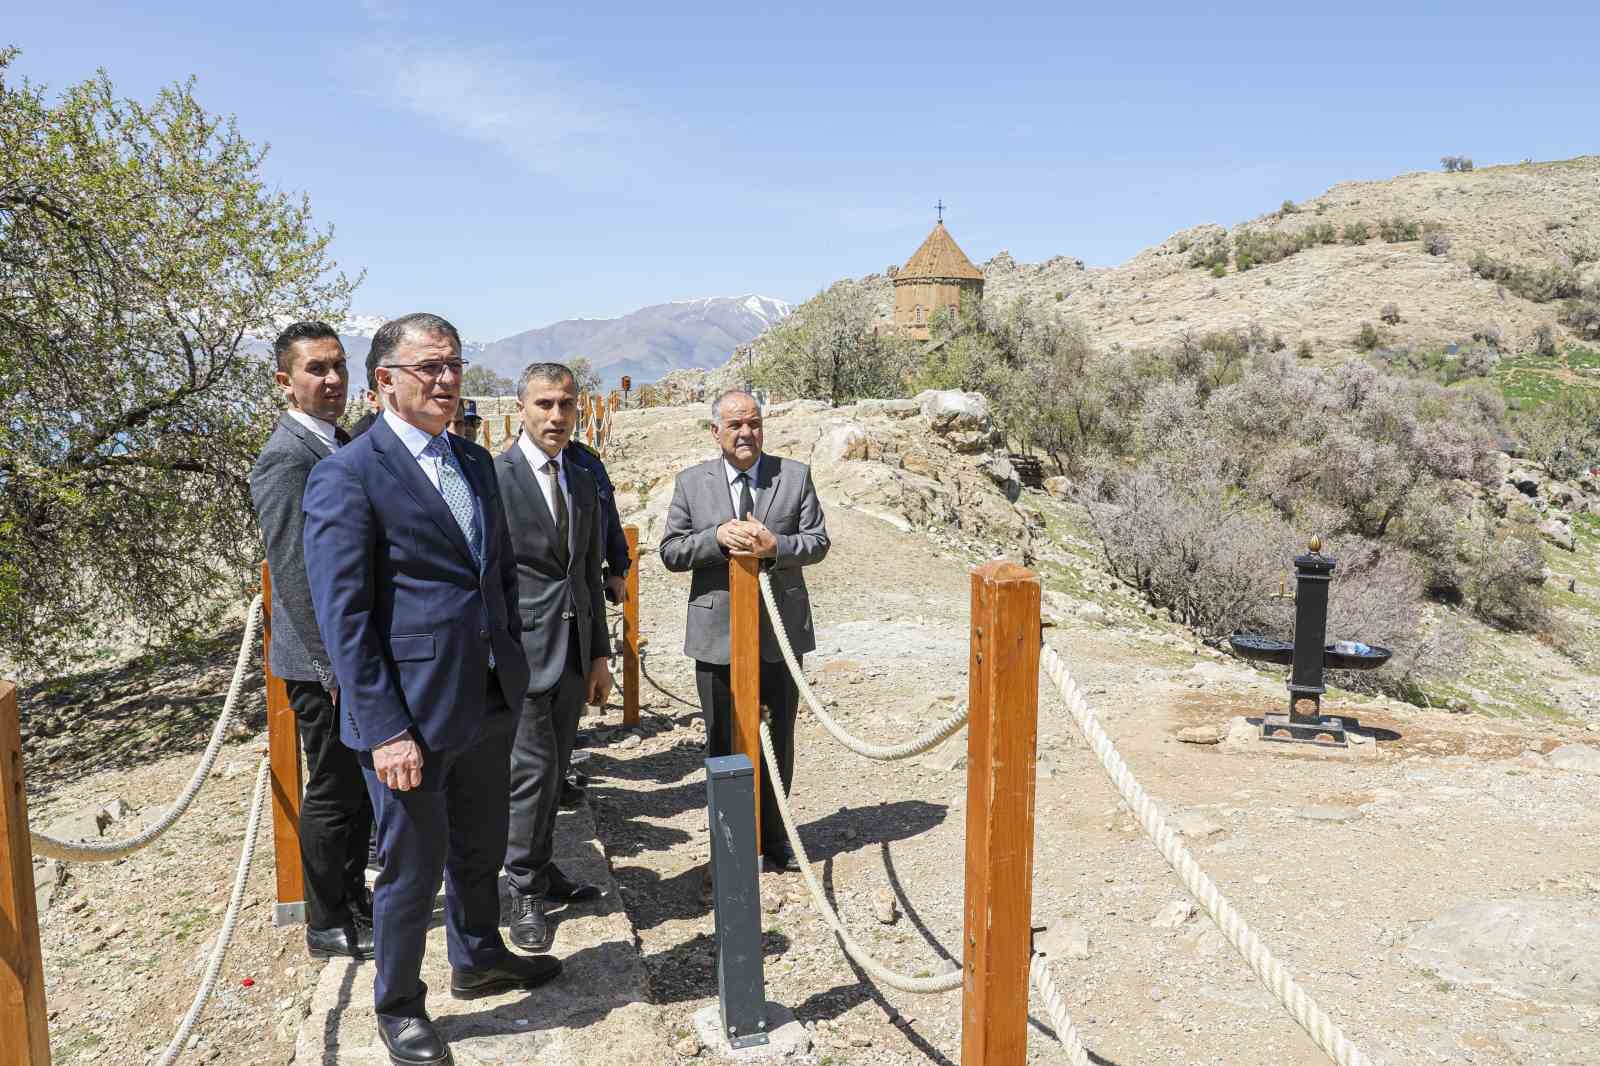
458 497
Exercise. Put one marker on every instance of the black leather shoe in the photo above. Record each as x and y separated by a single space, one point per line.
516 971
347 941
412 1041
571 796
530 929
359 900
562 889
782 861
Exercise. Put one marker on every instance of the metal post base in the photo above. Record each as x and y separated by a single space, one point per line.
1322 730
289 914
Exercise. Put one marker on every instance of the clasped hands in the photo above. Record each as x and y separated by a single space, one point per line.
747 537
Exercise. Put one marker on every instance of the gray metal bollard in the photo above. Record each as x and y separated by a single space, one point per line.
735 869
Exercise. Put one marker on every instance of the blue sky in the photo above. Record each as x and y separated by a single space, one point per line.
509 167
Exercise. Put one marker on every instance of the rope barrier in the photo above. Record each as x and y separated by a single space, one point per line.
229 920
95 851
1272 973
1044 983
883 752
941 983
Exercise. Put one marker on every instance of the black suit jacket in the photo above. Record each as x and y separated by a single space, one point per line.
554 603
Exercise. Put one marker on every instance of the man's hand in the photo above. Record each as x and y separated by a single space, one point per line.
398 763
736 536
617 588
599 684
763 544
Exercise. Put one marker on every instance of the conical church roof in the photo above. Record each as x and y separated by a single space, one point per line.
939 257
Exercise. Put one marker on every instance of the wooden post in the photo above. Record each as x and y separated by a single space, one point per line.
630 632
1001 747
509 432
744 673
24 1026
283 748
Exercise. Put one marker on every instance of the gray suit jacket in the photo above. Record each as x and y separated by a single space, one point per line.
554 602
786 503
277 486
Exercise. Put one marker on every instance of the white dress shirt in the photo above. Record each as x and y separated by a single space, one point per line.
537 459
732 473
415 440
323 431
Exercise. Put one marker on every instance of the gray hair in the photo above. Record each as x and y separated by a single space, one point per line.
392 334
545 374
716 404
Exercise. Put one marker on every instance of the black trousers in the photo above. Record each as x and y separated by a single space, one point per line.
781 698
336 813
541 754
451 829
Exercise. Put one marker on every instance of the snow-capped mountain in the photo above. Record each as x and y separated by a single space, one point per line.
644 344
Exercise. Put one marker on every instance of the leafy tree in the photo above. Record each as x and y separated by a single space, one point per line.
588 378
142 256
831 348
480 380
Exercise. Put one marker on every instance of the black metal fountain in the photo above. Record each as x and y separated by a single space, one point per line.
1308 656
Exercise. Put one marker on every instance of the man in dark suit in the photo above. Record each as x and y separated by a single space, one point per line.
415 589
554 515
336 814
746 502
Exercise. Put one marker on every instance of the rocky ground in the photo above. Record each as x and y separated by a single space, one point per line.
1370 872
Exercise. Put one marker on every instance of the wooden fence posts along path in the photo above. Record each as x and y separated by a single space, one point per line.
288 784
24 1032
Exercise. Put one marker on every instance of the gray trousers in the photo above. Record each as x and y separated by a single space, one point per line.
541 754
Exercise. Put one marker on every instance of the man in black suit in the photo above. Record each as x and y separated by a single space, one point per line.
410 568
553 512
336 815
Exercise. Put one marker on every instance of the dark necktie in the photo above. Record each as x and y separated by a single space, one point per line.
341 436
747 504
562 526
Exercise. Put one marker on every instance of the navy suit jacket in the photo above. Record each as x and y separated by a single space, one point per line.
407 616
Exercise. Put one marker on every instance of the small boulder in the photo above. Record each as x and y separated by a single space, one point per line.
1194 826
1174 914
1091 612
1558 533
952 409
1202 734
841 441
1059 487
1002 473
1063 939
1579 757
884 907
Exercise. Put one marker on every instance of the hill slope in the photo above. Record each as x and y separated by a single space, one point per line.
1537 215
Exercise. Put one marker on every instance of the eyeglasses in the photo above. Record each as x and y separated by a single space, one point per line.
433 368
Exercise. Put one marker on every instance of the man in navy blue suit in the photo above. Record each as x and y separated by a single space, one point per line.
415 588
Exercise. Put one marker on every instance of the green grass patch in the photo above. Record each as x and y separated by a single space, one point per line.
1530 380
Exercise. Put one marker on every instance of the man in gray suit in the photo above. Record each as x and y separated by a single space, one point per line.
336 814
553 511
746 502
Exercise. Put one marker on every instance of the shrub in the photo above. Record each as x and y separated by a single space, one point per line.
1218 270
1581 314
1455 163
1478 360
1544 340
1304 349
1287 208
831 349
1211 254
1356 233
1539 284
1390 313
1369 337
1507 575
1396 230
1563 436
1436 242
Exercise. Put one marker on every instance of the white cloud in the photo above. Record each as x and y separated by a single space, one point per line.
522 108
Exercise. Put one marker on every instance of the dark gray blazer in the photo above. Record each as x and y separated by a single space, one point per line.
278 486
545 591
787 504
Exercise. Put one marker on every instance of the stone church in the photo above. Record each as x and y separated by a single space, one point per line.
937 275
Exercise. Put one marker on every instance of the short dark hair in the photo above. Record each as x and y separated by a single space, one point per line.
393 333
550 373
309 330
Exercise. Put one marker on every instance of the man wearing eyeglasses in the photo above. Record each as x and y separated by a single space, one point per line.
415 589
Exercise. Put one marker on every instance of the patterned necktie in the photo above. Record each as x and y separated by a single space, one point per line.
563 523
457 494
747 504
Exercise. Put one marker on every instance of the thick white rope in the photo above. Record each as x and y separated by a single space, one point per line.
1044 983
229 920
96 851
876 970
884 752
1272 973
